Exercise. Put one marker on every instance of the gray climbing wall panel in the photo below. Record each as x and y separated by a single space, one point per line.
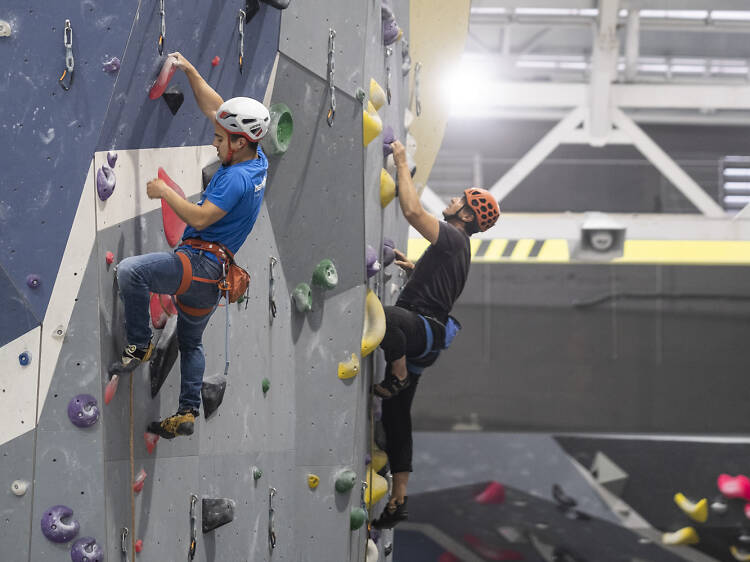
17 464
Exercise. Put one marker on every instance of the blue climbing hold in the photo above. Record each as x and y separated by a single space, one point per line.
24 358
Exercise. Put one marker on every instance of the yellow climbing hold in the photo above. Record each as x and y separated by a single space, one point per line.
738 554
374 328
372 125
379 459
387 188
696 511
349 369
686 535
313 480
377 94
371 109
378 486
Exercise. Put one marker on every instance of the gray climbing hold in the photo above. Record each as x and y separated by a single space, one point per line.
58 525
105 182
217 512
302 296
86 549
83 410
345 480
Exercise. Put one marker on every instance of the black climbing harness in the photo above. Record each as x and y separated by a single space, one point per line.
331 70
69 60
451 327
193 528
163 29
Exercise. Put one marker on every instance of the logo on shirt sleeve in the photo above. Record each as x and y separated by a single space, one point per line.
261 185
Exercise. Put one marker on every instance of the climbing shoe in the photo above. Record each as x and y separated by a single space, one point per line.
181 423
391 385
392 515
132 357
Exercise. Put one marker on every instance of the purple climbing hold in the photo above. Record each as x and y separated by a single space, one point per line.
83 410
105 182
112 65
53 526
388 139
371 259
111 158
368 459
33 280
391 30
86 549
388 255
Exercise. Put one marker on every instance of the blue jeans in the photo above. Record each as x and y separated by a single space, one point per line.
161 272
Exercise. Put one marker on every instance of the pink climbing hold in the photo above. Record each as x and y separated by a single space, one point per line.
151 439
109 257
111 388
734 486
174 226
168 304
493 493
140 478
138 545
158 314
165 75
215 61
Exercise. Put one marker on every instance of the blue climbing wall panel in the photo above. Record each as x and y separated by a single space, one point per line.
322 201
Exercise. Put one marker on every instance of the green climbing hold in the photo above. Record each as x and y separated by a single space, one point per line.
345 480
325 275
266 384
240 299
281 129
302 297
357 518
257 473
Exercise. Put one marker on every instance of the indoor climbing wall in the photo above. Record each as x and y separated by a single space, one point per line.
277 471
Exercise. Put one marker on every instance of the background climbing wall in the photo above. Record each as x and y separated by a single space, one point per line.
322 201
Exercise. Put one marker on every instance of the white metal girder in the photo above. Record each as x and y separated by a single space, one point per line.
432 202
603 71
632 45
668 167
537 154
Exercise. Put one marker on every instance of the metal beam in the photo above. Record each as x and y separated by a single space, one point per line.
580 136
603 72
632 45
668 167
537 154
432 202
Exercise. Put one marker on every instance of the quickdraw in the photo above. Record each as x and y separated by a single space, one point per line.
331 70
124 540
242 17
163 33
417 71
69 60
271 530
388 53
193 531
271 289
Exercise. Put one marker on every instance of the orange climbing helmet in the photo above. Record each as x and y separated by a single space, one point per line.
484 205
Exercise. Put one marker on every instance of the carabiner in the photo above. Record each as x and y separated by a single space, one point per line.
241 26
163 34
69 60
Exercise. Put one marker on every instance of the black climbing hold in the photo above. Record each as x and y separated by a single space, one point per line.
279 4
165 354
388 549
209 171
562 499
174 99
251 8
212 393
217 512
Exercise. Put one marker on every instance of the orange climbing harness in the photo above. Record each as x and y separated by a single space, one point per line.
233 283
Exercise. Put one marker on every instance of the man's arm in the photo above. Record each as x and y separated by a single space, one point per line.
207 98
427 225
197 216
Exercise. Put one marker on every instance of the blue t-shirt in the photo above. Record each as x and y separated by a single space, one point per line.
238 190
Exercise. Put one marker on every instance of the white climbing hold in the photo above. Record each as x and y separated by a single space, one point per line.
4 28
59 332
19 487
372 551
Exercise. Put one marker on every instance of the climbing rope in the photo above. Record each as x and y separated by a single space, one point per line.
226 332
241 18
163 32
331 70
69 60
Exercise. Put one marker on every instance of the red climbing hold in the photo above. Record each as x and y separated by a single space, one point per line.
448 557
109 257
168 304
215 61
158 314
493 493
138 545
734 486
111 388
165 75
174 226
140 478
492 553
150 439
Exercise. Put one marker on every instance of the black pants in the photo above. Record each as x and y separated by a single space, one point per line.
404 335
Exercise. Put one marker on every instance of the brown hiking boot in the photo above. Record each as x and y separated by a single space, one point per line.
181 423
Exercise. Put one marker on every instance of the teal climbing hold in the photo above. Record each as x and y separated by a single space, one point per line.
357 518
302 297
266 384
325 275
257 473
345 480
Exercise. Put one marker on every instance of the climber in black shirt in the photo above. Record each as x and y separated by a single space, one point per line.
420 325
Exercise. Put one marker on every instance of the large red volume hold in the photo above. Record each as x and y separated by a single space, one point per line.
174 226
165 75
158 314
734 486
493 493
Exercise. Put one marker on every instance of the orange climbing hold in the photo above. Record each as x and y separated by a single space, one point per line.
165 75
140 478
138 545
174 226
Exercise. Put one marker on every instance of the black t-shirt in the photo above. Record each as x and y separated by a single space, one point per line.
439 275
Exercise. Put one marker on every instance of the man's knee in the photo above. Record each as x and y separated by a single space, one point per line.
126 272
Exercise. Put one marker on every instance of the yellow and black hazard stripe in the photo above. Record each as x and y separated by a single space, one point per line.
556 250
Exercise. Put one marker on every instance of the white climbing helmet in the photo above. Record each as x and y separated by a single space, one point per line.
244 116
